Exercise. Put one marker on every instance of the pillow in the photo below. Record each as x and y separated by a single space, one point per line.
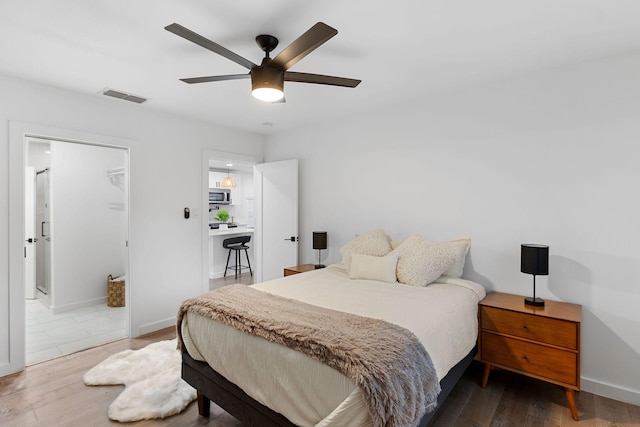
420 261
374 243
460 247
396 242
382 268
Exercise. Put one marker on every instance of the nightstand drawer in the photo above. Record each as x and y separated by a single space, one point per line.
552 363
536 328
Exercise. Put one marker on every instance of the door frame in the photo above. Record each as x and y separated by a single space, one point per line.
18 132
204 208
30 255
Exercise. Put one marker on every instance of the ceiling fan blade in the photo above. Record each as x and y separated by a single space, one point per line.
216 78
186 33
304 45
320 79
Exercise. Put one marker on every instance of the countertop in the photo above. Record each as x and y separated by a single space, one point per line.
243 229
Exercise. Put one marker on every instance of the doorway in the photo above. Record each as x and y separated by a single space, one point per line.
240 209
76 228
273 207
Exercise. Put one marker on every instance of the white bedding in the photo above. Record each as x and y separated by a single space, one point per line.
443 316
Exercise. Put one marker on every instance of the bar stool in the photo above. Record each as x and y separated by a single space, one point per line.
237 244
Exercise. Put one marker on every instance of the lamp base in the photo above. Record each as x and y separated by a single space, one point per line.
537 302
317 266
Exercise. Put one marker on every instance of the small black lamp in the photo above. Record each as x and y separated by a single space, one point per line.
319 243
534 259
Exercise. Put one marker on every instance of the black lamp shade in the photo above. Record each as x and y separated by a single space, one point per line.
319 240
534 259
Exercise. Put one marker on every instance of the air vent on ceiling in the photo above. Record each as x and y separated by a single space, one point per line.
122 95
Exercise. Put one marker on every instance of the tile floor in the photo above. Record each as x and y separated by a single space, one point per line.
53 335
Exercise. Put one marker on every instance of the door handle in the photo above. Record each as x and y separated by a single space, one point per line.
291 239
42 228
31 240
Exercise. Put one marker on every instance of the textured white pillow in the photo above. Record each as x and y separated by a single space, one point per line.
460 247
374 243
382 268
420 261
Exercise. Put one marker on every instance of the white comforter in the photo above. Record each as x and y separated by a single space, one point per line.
443 316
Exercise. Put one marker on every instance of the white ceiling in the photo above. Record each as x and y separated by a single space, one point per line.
401 50
221 166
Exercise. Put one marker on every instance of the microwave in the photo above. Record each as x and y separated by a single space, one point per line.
219 196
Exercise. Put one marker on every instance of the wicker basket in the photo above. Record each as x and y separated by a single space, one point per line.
115 292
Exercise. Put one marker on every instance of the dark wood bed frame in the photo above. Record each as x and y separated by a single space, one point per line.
212 386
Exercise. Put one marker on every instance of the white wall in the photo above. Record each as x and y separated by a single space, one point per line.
550 158
166 176
88 223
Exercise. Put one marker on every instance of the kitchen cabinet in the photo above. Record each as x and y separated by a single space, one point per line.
236 192
215 178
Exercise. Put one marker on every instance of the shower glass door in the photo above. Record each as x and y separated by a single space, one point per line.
43 226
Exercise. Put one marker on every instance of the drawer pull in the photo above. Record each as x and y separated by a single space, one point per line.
525 327
524 356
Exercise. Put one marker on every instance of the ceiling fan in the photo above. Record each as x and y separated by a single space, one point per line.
267 79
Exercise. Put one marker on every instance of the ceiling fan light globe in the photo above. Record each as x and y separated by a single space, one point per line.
267 94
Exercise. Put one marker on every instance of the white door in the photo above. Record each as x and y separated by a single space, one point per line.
30 233
276 231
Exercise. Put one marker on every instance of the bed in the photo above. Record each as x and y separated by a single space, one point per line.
377 340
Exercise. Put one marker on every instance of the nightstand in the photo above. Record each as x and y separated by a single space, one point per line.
540 342
299 269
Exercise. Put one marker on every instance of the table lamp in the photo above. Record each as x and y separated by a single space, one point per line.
319 243
534 259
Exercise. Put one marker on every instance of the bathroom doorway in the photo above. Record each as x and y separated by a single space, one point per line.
76 228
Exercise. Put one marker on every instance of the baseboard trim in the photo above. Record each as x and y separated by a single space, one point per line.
10 368
156 326
611 391
57 309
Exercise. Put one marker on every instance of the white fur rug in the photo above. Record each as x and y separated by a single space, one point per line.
151 375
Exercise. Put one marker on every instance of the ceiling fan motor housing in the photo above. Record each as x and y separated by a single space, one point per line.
265 76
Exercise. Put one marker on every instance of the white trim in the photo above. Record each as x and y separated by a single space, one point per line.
18 131
206 156
257 232
16 309
156 326
78 305
611 391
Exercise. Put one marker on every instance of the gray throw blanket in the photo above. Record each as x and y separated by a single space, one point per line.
388 362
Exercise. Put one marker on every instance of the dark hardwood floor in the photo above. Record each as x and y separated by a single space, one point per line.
244 278
53 394
515 400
